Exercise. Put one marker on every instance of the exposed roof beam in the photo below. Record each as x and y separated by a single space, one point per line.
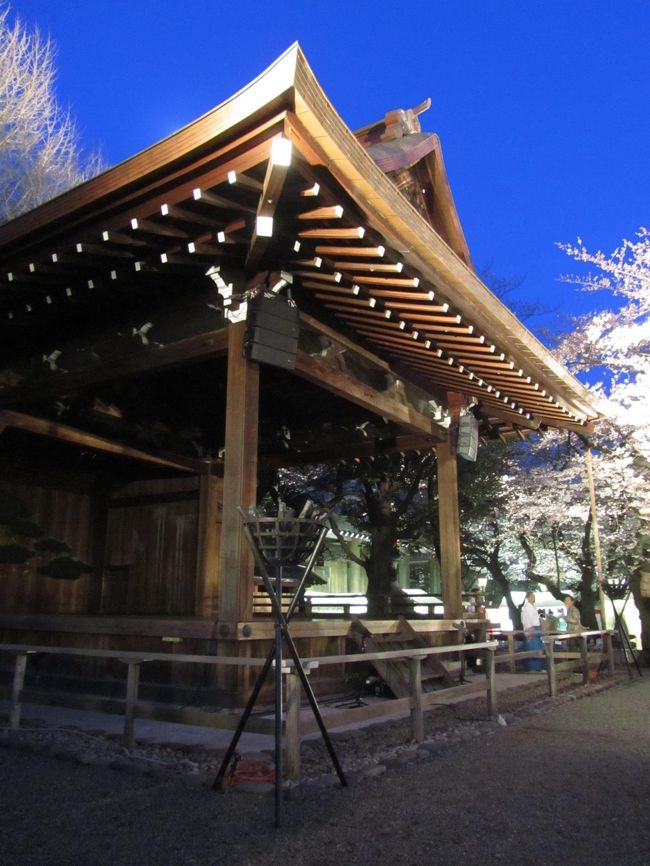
274 179
64 433
190 350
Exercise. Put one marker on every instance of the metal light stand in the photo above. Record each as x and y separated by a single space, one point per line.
279 542
620 590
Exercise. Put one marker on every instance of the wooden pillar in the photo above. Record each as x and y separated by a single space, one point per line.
449 530
239 480
208 546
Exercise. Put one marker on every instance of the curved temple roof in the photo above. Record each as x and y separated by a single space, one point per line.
221 193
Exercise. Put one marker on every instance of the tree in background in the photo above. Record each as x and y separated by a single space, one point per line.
613 348
39 152
386 497
488 545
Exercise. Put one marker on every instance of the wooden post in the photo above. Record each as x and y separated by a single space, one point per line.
585 660
16 690
208 547
415 681
490 677
449 530
293 692
550 665
132 684
511 652
609 644
239 480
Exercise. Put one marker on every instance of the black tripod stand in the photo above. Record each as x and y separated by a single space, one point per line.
621 590
277 543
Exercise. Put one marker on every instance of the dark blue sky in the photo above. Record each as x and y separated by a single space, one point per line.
541 107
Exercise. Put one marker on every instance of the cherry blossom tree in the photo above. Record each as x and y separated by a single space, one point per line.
546 511
39 152
612 347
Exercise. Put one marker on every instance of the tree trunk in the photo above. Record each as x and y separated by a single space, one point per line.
588 594
497 575
380 569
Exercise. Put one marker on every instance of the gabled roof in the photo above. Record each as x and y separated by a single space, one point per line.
359 253
414 162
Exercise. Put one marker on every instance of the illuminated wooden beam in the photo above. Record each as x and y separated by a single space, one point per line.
274 179
334 234
370 252
327 212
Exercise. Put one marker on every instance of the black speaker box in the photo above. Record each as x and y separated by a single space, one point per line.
272 327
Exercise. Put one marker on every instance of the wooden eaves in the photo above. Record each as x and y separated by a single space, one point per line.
356 249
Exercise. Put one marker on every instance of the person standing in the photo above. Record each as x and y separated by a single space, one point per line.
532 627
572 615
572 619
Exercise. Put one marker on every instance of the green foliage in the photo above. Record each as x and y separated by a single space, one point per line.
27 528
52 545
64 568
15 518
14 554
12 508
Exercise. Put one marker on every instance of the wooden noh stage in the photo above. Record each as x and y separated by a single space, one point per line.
142 400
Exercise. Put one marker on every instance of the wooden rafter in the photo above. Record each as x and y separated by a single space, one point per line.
73 436
269 198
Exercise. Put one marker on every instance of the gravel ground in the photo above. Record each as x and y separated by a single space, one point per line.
562 781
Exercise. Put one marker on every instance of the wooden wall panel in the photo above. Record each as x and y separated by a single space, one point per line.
151 549
67 517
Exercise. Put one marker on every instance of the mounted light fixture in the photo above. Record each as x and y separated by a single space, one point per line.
264 226
281 151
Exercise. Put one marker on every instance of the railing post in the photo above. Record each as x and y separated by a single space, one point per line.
609 643
417 718
585 660
491 684
550 665
292 724
16 690
511 652
132 684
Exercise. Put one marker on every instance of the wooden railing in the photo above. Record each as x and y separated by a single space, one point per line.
575 660
581 637
295 729
346 606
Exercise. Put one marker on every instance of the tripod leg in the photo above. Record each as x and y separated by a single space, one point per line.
242 722
626 646
621 638
278 705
